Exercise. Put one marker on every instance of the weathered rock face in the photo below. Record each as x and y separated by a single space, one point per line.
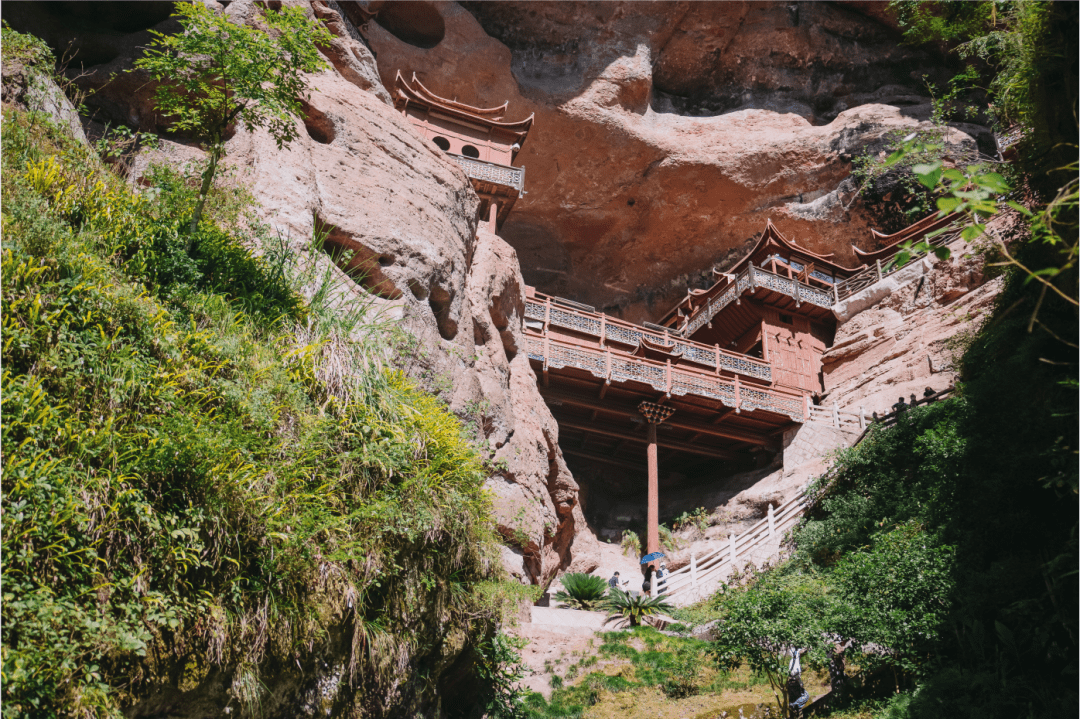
903 335
360 176
667 133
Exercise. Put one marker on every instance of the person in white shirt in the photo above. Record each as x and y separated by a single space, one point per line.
797 694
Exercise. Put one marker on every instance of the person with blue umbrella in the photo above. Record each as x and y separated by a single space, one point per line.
647 569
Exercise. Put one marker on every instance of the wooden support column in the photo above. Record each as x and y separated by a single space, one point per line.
493 214
654 414
653 527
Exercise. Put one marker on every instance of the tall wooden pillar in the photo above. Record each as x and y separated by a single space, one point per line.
652 543
654 414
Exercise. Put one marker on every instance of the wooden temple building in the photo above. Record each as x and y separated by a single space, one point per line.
709 389
478 139
733 366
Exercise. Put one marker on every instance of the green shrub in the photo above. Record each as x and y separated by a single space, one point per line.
201 474
581 591
630 543
624 605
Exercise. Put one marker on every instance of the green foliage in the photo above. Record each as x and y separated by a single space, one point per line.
667 540
630 543
1025 52
759 624
22 48
499 670
202 473
215 73
924 22
624 605
897 594
581 591
698 518
680 667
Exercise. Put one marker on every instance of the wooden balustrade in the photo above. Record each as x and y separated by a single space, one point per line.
554 353
554 312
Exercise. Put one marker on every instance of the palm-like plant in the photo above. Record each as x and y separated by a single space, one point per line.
626 606
581 591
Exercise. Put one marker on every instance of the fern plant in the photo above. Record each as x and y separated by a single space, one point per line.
623 605
582 591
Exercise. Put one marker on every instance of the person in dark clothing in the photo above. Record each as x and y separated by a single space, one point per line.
900 406
914 399
615 582
928 393
646 586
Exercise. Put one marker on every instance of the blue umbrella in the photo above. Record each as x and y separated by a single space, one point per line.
651 557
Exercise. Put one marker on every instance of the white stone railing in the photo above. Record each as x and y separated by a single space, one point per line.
748 281
610 366
491 172
838 418
705 574
608 329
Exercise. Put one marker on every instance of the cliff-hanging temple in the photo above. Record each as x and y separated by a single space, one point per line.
721 377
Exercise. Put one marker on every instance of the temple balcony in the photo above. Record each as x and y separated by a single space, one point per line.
786 293
494 183
500 177
600 332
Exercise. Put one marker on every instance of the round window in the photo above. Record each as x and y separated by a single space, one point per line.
470 151
443 144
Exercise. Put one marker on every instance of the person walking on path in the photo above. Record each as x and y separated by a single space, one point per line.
646 586
661 578
797 694
615 582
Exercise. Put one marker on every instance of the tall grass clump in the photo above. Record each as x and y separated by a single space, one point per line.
204 475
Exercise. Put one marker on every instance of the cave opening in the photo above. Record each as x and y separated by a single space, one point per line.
414 22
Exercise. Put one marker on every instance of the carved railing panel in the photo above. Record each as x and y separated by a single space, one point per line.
625 368
617 331
490 172
761 278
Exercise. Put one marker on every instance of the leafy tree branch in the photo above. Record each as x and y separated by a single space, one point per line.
215 73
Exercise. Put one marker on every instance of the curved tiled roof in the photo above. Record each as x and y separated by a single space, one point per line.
913 232
488 116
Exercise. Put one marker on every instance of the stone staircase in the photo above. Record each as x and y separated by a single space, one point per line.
705 574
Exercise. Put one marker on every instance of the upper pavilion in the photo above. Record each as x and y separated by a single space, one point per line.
478 139
774 304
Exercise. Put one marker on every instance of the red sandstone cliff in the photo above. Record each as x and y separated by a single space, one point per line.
359 173
667 133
